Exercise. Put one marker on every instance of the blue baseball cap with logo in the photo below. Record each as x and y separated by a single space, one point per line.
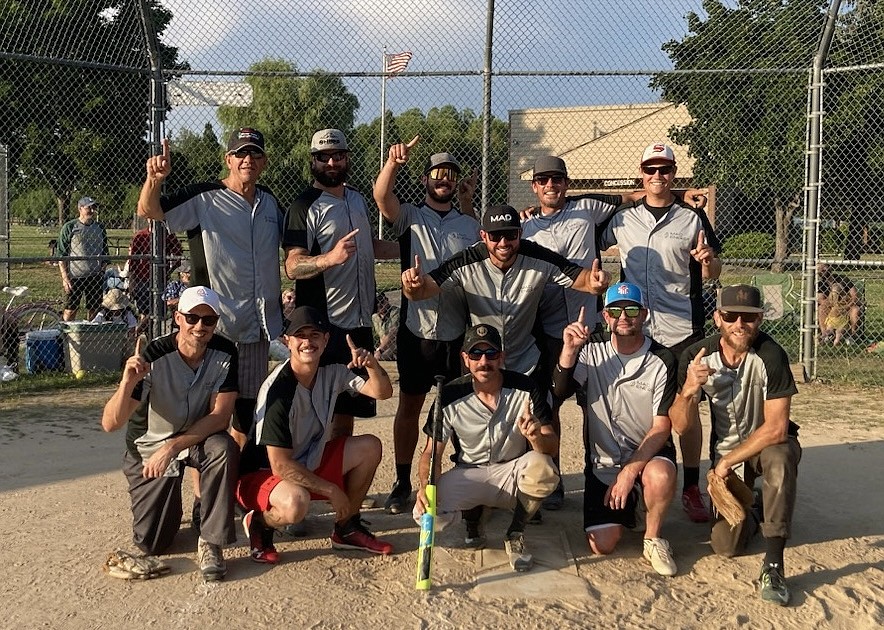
624 292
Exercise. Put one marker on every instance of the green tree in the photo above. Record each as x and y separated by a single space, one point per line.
748 128
77 130
288 109
197 156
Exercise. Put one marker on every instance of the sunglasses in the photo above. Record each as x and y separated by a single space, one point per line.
337 156
653 170
244 153
510 235
193 318
477 353
748 318
443 173
543 179
616 311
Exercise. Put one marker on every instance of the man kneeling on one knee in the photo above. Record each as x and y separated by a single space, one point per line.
504 442
291 458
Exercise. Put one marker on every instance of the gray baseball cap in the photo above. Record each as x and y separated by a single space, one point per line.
550 165
439 159
329 140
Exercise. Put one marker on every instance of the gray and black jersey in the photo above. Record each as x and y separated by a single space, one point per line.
571 232
623 392
479 435
737 395
293 417
173 396
655 254
435 237
508 300
234 249
346 293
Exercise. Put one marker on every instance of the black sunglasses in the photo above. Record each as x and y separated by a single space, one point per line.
510 235
663 170
731 317
477 353
616 311
337 156
244 153
193 318
542 179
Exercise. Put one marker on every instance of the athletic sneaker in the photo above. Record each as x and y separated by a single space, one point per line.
260 540
354 535
210 560
693 504
658 552
556 500
399 497
773 585
520 559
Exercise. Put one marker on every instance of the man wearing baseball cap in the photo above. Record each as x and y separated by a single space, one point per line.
430 331
499 424
332 259
85 237
668 250
164 435
628 383
294 456
745 376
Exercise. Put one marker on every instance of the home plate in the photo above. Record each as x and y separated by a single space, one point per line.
553 576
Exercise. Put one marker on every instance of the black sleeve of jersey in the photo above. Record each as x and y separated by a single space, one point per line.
178 197
533 250
275 429
296 227
780 382
711 236
473 254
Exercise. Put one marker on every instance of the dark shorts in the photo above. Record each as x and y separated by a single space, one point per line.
338 351
140 292
550 349
253 489
90 289
595 512
420 360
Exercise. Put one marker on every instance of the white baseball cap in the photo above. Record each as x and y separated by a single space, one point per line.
194 296
658 151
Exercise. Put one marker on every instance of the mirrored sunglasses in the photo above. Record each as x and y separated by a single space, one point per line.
616 311
443 172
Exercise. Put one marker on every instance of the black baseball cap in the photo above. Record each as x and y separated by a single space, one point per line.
245 137
305 316
482 333
499 218
739 298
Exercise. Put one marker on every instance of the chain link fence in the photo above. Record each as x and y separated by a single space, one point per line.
775 106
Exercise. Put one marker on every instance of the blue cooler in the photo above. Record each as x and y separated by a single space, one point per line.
44 351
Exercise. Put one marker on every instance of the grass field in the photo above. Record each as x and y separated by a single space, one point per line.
848 364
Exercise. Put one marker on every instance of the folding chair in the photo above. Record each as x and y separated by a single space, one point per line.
778 295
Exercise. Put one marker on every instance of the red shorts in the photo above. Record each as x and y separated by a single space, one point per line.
253 490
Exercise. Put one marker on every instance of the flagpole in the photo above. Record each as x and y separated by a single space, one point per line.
383 130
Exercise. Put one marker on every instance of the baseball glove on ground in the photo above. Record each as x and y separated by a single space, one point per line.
731 497
125 566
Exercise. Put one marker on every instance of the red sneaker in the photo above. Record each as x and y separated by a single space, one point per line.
260 541
693 504
354 535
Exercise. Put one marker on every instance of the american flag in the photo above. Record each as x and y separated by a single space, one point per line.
398 62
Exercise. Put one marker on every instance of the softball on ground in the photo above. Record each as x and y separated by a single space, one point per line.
80 374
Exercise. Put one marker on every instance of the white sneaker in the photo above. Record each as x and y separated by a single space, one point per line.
658 552
210 560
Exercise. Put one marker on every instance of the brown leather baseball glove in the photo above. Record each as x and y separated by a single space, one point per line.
126 566
731 497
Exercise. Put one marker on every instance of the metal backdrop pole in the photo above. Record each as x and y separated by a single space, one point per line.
486 108
383 130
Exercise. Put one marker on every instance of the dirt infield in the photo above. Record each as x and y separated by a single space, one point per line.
63 508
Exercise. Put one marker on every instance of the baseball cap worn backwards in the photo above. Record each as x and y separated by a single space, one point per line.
739 298
550 165
658 151
194 296
624 292
304 317
245 137
499 218
482 333
441 159
329 140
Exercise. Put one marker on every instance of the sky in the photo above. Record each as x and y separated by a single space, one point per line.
349 36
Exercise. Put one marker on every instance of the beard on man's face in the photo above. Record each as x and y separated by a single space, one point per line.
330 177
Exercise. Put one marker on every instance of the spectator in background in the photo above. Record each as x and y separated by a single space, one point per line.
116 307
81 237
385 323
846 306
172 292
139 267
